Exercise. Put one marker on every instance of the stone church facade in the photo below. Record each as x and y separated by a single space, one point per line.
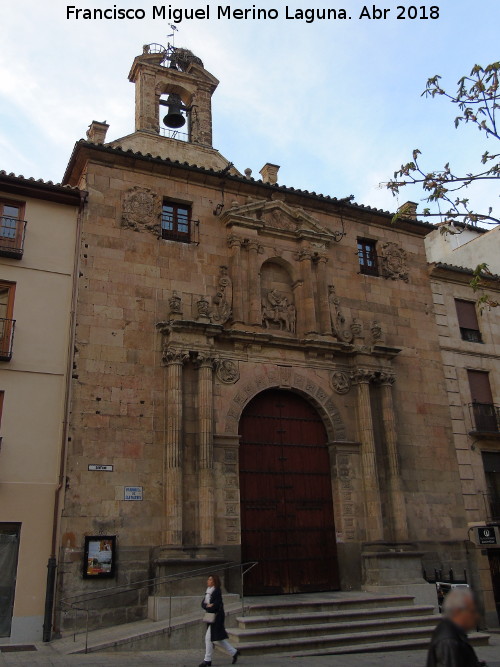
262 361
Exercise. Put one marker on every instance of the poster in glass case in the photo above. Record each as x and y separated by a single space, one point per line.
99 556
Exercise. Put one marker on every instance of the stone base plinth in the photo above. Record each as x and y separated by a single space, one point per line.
184 570
396 569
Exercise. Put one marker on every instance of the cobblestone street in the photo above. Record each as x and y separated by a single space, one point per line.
47 656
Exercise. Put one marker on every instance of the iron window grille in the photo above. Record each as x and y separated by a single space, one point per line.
12 229
485 417
176 222
467 321
471 335
6 338
367 256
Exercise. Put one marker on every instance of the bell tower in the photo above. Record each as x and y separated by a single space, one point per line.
179 74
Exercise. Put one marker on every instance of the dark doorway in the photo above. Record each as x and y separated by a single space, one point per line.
287 519
9 547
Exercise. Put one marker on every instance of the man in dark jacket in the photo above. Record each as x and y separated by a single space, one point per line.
449 645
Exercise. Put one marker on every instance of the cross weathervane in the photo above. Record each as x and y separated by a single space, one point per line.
174 29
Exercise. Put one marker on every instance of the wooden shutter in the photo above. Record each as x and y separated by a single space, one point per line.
480 389
467 315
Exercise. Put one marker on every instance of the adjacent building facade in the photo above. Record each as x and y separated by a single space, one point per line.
38 241
470 346
257 373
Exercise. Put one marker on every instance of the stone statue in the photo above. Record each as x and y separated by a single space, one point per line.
222 301
339 329
277 310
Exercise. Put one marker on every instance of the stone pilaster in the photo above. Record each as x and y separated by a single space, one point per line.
205 363
397 500
234 243
307 306
173 358
374 528
201 116
325 325
254 283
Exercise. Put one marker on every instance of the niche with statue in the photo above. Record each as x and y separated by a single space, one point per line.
278 307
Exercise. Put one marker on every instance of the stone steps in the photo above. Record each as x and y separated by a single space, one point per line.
319 629
352 615
329 625
351 642
329 604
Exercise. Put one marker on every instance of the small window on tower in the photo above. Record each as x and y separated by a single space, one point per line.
367 255
176 222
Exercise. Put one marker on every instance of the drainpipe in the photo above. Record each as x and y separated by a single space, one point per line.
52 561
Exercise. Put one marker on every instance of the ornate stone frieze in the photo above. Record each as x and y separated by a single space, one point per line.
227 371
340 382
393 261
141 210
278 311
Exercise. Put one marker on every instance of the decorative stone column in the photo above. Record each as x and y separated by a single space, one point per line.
173 358
254 283
307 305
325 325
234 243
205 363
397 500
374 525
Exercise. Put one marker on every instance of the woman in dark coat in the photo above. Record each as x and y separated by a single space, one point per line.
216 632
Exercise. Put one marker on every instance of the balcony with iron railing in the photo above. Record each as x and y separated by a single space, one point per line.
12 231
485 419
6 338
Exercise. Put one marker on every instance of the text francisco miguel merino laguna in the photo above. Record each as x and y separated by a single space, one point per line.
177 15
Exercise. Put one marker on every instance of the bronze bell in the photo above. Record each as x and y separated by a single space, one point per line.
174 117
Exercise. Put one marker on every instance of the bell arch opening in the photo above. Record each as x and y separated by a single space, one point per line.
287 519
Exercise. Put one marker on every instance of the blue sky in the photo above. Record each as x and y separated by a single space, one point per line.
336 104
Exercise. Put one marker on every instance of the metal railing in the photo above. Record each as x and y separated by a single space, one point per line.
6 338
491 506
83 601
174 134
12 233
485 417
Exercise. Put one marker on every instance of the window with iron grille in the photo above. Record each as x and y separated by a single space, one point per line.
176 222
367 255
6 322
467 321
12 227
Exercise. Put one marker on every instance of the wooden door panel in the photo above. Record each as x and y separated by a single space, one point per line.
286 498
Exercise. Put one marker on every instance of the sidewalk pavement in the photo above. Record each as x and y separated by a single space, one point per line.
47 656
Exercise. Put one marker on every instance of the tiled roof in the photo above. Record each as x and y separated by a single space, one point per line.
464 269
240 179
22 184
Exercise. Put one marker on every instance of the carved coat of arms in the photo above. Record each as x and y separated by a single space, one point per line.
141 210
393 261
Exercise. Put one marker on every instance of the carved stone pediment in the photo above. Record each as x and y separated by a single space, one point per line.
277 218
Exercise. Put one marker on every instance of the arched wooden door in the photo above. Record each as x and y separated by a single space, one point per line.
287 519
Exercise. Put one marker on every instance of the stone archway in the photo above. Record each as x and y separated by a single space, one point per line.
286 377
